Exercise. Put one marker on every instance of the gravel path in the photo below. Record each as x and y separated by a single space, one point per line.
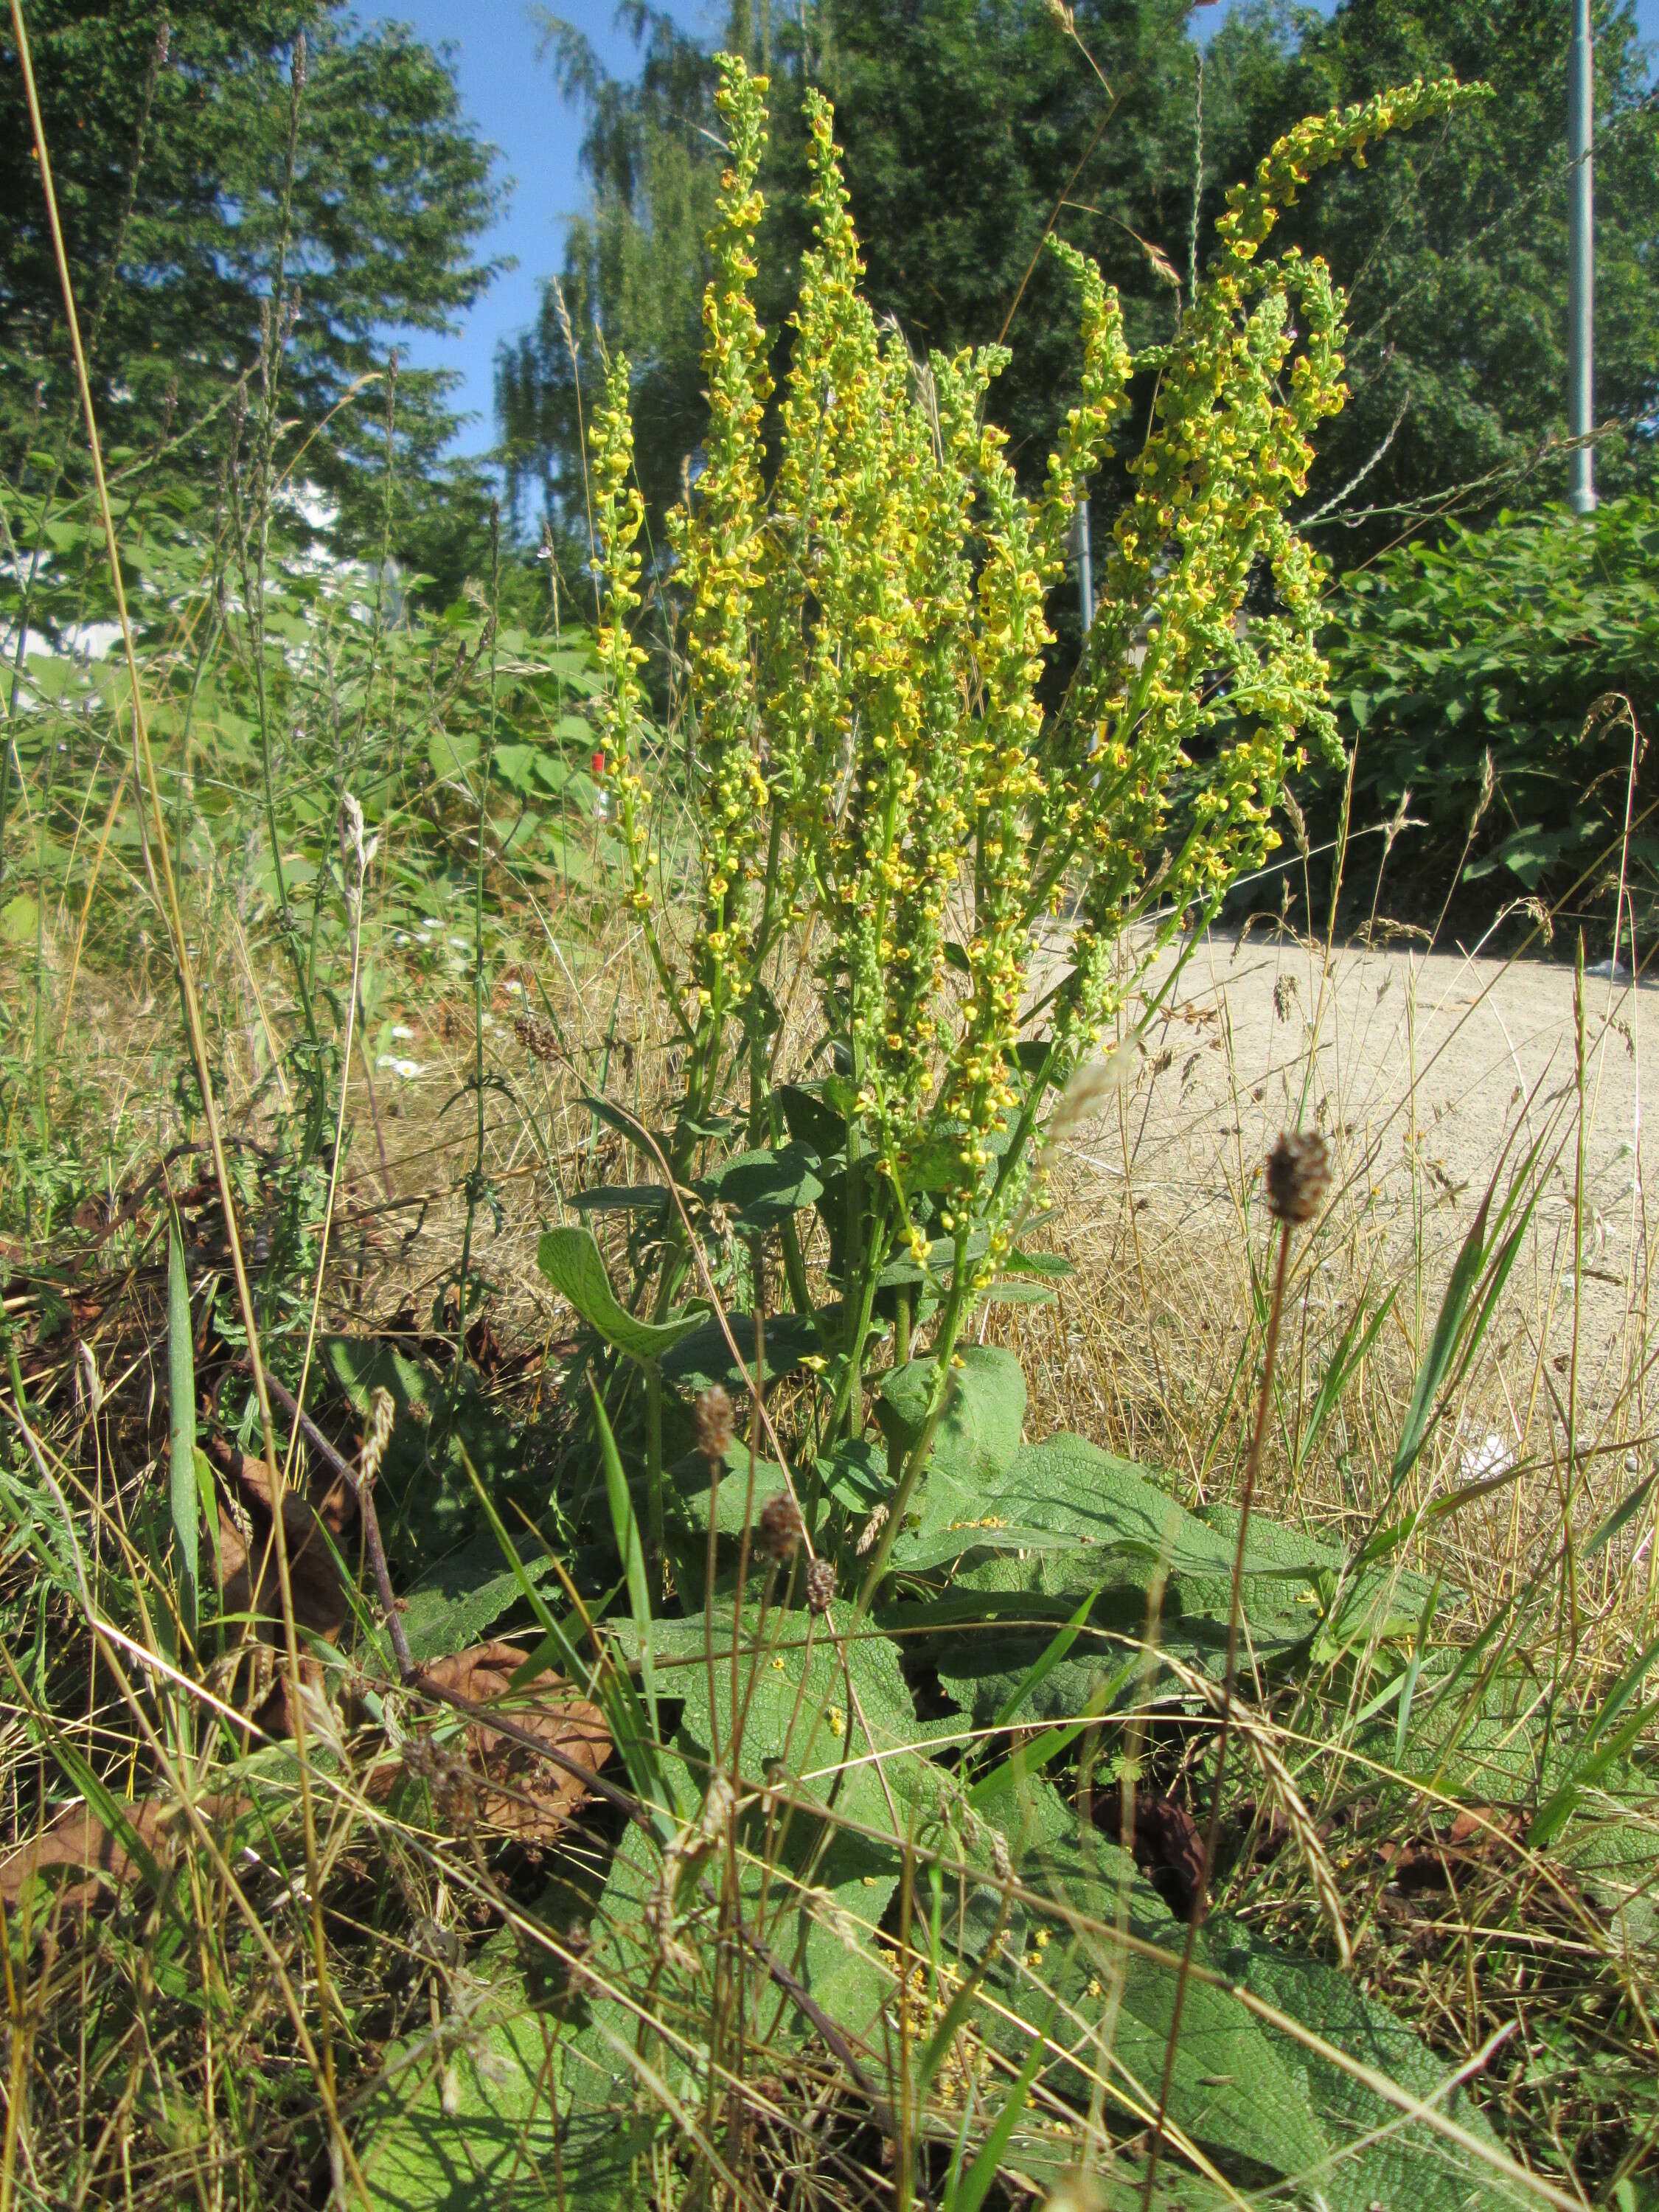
1420 1068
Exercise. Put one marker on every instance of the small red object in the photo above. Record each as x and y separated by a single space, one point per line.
598 763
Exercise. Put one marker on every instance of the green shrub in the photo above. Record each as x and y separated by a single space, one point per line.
1518 643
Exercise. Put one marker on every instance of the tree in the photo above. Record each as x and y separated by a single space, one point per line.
1453 248
967 127
220 163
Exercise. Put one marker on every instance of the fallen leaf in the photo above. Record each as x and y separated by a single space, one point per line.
502 1788
251 1580
79 1838
516 1791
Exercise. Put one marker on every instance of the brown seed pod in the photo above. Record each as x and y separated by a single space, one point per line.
536 1035
712 1410
781 1527
1298 1177
820 1585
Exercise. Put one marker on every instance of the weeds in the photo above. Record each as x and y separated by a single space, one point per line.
728 1712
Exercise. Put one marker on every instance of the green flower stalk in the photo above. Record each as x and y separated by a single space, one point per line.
877 783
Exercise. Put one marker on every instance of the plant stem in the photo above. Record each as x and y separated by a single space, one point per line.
655 1516
475 1181
1235 1612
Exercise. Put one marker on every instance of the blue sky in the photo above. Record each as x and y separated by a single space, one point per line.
514 101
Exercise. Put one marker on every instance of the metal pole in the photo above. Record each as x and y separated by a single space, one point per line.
1086 572
1581 249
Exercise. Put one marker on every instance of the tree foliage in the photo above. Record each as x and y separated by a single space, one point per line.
1454 247
968 130
964 127
206 184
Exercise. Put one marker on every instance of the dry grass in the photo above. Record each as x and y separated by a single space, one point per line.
1148 1352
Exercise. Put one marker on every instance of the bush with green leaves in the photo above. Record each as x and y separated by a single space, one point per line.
1483 682
276 677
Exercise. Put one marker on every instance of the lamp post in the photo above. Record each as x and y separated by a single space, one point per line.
1581 255
1086 561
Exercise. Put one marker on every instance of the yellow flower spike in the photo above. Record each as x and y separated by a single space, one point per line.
871 768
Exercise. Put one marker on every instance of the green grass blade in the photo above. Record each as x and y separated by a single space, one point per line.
184 1492
622 1520
1343 1363
1039 1672
1408 1688
1625 1511
971 2192
1457 1336
1561 1804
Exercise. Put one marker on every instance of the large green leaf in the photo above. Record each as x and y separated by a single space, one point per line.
978 1434
846 1766
459 1601
703 1356
767 1188
574 1264
1251 2097
1067 1519
473 2123
733 1509
1390 2163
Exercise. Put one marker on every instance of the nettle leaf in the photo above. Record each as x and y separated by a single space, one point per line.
574 1264
452 754
767 1188
978 1434
516 766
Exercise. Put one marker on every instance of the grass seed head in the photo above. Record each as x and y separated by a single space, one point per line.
712 1410
1298 1177
781 1527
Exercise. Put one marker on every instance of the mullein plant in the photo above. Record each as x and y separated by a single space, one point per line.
878 787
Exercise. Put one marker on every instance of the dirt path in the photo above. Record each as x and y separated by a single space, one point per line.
1419 1068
